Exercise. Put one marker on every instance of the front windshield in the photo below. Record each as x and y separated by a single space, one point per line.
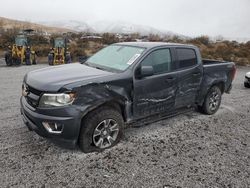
116 57
59 43
21 41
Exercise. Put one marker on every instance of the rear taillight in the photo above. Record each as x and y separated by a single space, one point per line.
233 72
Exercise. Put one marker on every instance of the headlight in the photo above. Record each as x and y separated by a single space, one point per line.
25 90
60 99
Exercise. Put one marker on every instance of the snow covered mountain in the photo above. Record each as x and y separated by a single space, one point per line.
125 27
71 24
108 26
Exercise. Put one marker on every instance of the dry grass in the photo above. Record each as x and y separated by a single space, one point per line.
10 24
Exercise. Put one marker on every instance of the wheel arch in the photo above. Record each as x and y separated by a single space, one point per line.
220 84
118 105
115 104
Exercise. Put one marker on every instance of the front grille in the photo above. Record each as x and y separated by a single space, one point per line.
33 96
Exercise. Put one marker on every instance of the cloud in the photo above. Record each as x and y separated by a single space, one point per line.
193 17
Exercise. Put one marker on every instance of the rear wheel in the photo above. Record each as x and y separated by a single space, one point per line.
212 101
67 58
101 129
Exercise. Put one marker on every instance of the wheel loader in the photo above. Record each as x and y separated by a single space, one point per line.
20 52
59 53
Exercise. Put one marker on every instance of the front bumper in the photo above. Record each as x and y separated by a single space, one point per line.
69 117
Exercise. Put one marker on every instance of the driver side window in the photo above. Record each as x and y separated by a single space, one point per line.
160 60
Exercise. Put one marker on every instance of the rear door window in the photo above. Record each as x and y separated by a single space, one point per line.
187 57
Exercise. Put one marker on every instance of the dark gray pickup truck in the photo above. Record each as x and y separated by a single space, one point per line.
88 104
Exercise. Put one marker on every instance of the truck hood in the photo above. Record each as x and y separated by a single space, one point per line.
51 79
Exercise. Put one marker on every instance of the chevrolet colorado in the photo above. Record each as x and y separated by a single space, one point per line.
88 104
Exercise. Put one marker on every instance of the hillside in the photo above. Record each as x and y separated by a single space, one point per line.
7 23
109 27
78 26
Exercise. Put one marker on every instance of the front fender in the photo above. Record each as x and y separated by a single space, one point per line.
92 96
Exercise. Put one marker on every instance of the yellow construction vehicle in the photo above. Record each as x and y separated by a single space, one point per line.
20 52
59 53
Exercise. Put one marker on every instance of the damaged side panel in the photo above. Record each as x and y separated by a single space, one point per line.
219 76
189 84
93 95
154 94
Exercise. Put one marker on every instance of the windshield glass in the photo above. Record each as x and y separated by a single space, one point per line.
59 43
116 57
21 41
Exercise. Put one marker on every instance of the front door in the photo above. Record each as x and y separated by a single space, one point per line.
155 93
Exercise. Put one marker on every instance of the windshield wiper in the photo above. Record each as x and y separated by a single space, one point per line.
100 68
91 65
88 64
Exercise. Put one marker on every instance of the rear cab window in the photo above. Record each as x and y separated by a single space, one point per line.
187 57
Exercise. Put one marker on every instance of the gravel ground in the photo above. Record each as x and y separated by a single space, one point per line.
189 150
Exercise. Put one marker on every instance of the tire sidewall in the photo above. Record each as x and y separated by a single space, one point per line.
206 107
92 121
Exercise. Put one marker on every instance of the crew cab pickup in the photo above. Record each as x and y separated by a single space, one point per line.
88 104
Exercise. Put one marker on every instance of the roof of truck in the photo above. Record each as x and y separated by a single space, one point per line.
151 44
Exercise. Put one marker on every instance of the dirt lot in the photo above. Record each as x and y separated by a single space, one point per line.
190 150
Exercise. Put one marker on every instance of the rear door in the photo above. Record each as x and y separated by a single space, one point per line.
190 72
156 93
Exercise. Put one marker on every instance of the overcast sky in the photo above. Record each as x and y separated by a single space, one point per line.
230 18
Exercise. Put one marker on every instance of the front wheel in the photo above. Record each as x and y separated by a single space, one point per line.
101 129
212 101
8 59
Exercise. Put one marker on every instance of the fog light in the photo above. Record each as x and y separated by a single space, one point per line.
55 128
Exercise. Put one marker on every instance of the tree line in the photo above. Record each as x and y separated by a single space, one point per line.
84 46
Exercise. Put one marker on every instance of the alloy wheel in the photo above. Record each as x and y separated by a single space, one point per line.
106 133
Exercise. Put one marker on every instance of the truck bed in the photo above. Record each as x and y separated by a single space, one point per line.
212 61
217 72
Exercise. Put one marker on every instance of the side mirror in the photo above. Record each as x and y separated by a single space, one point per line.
146 71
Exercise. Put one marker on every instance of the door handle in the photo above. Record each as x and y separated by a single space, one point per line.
197 74
170 79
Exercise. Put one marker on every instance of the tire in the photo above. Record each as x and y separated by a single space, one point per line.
212 101
94 136
247 85
8 59
17 61
50 59
67 59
